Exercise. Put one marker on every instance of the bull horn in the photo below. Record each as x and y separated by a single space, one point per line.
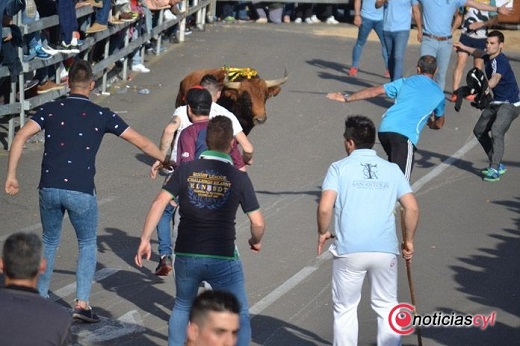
231 85
276 82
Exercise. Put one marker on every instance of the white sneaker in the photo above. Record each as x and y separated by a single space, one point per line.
140 68
309 21
298 21
315 19
331 20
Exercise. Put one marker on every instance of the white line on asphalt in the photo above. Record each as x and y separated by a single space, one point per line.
305 272
71 288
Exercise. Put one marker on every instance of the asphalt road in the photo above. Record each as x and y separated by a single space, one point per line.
467 244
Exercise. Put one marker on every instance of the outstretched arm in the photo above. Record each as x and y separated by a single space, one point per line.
144 144
11 183
507 11
360 95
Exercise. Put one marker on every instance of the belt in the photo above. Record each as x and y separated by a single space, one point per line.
438 38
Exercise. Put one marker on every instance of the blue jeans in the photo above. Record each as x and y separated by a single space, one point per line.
83 214
396 42
103 12
441 50
221 274
164 231
364 30
67 19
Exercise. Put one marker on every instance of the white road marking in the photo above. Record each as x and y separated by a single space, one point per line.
71 288
108 329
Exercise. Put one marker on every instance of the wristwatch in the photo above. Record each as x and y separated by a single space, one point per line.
346 96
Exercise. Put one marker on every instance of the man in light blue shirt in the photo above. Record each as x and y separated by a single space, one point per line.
437 36
416 98
396 31
362 190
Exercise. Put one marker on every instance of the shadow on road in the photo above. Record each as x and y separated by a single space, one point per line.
490 278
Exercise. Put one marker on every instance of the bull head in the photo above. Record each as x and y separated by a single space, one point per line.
254 92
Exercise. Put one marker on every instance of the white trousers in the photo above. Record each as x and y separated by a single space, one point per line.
348 273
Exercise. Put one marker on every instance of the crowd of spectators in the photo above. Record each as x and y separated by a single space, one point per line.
69 36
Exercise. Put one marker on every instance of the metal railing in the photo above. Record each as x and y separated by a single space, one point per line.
19 108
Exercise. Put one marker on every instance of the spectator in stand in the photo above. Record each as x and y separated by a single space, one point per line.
288 11
70 37
305 13
101 15
396 31
473 34
272 9
326 12
143 25
367 18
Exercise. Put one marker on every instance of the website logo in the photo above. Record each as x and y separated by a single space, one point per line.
403 320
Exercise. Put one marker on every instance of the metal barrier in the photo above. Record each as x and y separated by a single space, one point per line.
102 68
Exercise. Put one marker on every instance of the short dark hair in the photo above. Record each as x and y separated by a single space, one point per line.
219 133
80 72
216 301
427 64
211 84
496 33
361 130
22 255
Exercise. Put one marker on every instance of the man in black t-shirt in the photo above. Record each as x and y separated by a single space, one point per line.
209 192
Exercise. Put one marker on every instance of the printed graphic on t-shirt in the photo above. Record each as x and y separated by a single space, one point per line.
371 180
208 189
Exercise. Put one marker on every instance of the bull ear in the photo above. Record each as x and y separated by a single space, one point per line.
273 91
231 93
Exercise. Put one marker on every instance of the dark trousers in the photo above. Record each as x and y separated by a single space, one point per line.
491 128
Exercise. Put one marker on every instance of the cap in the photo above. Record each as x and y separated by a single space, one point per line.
199 100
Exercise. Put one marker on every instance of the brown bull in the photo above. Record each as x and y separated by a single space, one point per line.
244 97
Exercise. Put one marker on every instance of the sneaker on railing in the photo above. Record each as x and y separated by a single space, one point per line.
41 54
48 86
96 27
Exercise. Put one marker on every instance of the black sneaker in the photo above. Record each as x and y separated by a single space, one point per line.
164 267
86 315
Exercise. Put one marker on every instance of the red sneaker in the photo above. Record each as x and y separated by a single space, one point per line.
470 97
353 71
